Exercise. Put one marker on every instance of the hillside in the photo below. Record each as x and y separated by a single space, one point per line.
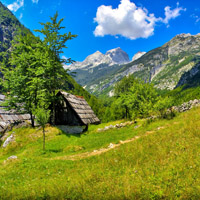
9 27
161 161
171 65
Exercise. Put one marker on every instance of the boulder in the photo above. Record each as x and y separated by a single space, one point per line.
111 145
12 158
8 141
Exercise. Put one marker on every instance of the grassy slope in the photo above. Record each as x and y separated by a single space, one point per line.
164 164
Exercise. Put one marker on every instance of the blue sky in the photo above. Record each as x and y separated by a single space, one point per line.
133 25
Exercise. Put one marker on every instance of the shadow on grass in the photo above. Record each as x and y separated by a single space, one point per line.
54 150
69 134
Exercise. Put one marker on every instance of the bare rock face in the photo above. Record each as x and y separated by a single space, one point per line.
138 55
182 43
113 56
118 56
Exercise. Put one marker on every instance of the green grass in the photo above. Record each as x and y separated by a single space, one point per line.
162 165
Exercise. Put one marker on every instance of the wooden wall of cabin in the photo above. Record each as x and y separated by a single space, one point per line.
65 115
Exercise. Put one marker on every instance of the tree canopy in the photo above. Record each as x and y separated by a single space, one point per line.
133 98
55 42
34 70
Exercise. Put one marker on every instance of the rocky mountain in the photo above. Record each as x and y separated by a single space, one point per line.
175 63
118 56
112 57
9 27
138 55
97 65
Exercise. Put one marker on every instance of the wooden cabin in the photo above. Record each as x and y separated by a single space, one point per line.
71 110
8 118
74 111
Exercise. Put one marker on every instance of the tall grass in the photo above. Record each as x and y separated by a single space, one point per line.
162 165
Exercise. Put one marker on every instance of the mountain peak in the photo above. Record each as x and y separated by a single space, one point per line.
111 57
114 50
118 55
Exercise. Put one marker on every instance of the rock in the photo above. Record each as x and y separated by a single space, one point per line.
8 141
117 126
12 157
111 127
111 145
186 105
106 128
126 123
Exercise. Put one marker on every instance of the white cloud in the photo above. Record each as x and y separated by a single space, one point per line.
172 14
35 1
130 21
16 5
126 20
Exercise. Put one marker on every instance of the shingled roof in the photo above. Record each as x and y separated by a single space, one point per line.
82 109
9 117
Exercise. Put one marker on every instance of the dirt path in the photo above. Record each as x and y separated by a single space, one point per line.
102 150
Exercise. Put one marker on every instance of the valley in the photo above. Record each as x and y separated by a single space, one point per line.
109 127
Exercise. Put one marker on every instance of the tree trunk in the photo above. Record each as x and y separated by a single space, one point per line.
126 115
32 120
43 138
54 114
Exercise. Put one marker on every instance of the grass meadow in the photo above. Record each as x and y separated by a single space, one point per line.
162 164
